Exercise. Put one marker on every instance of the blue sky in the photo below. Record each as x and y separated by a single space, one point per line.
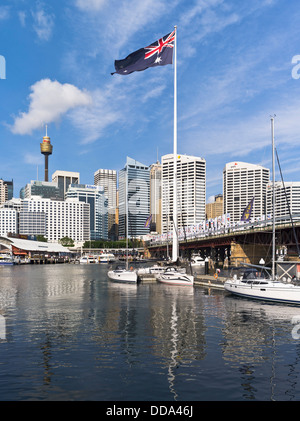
234 71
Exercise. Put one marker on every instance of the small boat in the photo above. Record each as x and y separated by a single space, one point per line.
156 270
87 259
106 258
172 276
123 275
6 259
197 261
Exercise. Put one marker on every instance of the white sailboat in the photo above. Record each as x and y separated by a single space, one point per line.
254 284
197 261
172 276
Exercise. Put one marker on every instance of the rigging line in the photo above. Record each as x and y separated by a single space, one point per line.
288 204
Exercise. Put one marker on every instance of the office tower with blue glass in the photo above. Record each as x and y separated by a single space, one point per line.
134 199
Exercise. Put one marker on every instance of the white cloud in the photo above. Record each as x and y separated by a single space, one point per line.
90 5
22 17
104 111
43 23
49 100
4 12
33 159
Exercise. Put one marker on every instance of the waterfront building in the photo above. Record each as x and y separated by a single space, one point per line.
134 195
155 197
55 219
44 189
95 197
287 198
242 182
215 208
108 180
191 190
63 179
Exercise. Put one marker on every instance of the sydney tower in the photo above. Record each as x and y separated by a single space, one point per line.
46 149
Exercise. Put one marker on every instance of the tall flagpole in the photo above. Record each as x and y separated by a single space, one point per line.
175 238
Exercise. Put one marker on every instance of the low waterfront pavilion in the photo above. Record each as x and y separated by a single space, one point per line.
22 247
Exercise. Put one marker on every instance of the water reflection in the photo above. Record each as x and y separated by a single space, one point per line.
254 335
72 333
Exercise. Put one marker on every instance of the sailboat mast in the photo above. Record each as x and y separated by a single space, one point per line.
273 176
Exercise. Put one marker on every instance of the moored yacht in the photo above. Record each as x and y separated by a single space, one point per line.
172 276
254 284
6 259
87 259
123 275
197 261
106 258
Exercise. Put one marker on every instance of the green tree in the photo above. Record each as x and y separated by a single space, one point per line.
66 242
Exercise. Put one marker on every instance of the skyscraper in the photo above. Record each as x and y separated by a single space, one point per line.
134 198
108 180
63 179
191 190
6 190
242 182
95 197
155 196
287 199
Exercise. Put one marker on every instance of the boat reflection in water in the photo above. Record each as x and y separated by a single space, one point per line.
252 327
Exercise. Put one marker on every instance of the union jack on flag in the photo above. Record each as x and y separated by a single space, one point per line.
159 53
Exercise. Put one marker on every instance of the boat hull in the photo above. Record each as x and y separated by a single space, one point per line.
275 292
184 280
123 276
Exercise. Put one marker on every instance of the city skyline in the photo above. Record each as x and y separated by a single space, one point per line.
237 65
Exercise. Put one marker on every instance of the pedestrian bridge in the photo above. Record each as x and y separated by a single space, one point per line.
247 243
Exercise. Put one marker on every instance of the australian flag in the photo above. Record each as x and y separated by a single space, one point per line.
159 53
247 212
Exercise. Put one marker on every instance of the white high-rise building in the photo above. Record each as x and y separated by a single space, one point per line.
155 195
242 182
290 193
191 190
63 179
108 180
8 221
55 219
95 197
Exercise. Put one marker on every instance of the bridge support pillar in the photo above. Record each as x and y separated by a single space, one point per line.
249 253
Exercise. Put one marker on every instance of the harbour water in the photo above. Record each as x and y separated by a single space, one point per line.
68 333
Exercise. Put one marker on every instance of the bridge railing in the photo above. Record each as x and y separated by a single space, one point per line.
193 233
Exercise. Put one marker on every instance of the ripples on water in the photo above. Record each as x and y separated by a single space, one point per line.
71 334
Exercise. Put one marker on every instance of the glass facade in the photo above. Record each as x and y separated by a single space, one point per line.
94 196
134 179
